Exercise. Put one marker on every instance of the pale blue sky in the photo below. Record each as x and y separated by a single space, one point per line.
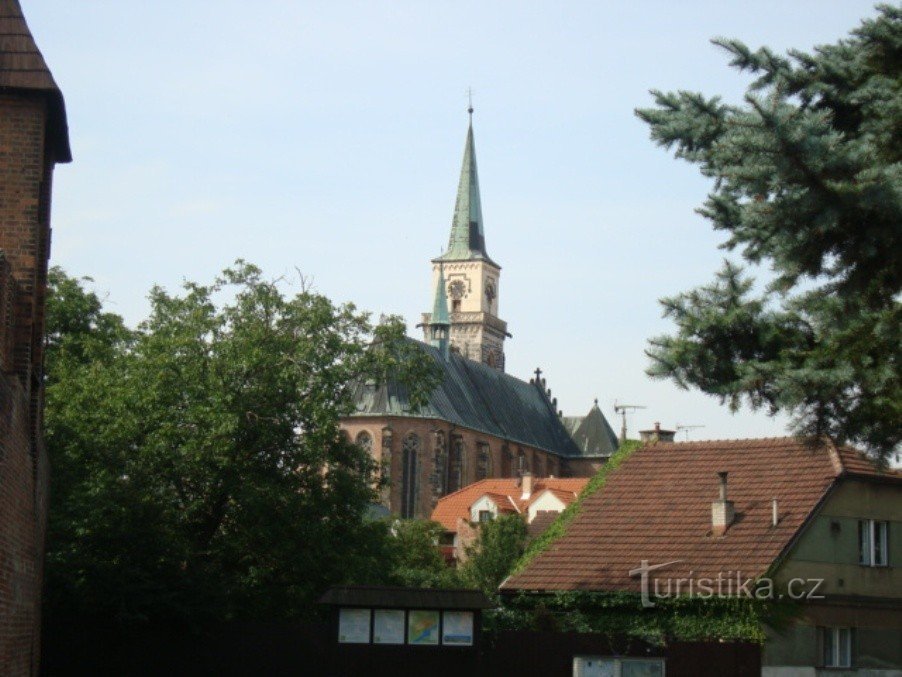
327 137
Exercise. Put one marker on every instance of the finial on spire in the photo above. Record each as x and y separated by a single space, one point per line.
470 102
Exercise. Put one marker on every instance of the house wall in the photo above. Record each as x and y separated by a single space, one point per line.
829 547
866 598
503 456
546 502
483 503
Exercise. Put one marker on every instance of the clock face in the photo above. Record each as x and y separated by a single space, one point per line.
490 291
457 289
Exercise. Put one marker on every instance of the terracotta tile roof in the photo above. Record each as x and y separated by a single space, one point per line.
657 506
542 520
22 67
567 497
457 505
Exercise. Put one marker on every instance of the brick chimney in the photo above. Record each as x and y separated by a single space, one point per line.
722 510
526 480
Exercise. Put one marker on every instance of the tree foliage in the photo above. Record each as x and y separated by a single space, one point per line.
414 556
492 557
808 180
198 467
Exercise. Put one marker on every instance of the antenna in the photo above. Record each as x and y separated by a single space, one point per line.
687 428
622 409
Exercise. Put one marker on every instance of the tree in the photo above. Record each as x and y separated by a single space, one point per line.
808 180
415 557
490 560
199 471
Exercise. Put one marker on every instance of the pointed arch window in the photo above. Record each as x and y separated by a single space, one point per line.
410 450
365 441
483 461
456 464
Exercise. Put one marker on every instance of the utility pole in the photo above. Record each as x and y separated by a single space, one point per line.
622 409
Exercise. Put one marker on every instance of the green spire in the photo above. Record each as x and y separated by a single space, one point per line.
440 322
467 239
440 307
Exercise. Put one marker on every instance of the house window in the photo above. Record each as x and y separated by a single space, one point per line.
872 543
485 516
837 647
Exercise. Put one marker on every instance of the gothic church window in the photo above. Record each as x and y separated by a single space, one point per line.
456 464
439 465
483 461
409 485
365 441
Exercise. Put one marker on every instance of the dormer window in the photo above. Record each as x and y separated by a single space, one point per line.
872 543
485 516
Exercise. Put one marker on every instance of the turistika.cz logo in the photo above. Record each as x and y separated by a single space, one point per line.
725 584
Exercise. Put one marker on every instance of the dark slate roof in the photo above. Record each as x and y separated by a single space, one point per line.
405 598
592 433
22 68
476 396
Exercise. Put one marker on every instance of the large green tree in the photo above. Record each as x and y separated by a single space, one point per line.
808 181
199 471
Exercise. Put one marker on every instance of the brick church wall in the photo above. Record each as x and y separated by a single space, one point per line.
25 179
503 455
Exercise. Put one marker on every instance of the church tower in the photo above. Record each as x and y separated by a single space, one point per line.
468 277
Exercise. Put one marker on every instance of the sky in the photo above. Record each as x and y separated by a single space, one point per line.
326 138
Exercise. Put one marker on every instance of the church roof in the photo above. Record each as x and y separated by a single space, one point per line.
467 241
592 433
23 69
476 396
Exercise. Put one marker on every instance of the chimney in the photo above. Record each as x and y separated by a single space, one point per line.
722 510
527 485
775 515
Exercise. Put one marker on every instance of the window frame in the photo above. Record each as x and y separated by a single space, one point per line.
837 647
873 543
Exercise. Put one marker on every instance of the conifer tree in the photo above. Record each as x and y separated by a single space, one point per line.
807 181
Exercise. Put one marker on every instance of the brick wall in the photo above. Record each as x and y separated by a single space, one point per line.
25 182
503 455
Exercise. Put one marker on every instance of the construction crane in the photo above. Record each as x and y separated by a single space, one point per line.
622 409
687 428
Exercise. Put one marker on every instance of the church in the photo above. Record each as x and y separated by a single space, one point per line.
480 422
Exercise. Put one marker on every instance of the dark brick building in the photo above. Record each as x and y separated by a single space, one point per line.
33 138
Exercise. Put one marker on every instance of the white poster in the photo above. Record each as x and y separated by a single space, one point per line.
354 626
388 626
457 628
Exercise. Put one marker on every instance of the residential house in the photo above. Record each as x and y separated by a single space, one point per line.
823 523
538 500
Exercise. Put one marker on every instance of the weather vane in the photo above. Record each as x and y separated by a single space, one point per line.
470 101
